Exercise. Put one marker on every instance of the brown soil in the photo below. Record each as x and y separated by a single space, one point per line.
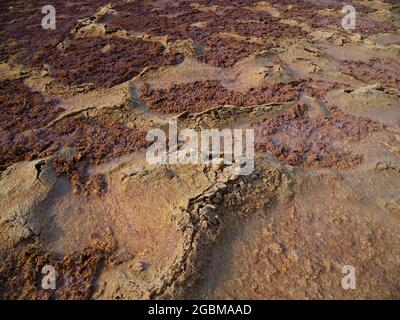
324 192
20 271
245 22
216 50
24 135
299 140
391 1
253 24
21 33
94 142
368 26
222 52
308 12
22 109
23 147
202 95
383 71
315 5
84 61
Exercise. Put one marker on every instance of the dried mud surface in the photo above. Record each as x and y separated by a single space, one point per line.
77 193
92 143
21 32
299 140
23 109
383 71
76 272
202 95
85 62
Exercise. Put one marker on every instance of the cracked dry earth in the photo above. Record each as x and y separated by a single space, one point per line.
76 191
